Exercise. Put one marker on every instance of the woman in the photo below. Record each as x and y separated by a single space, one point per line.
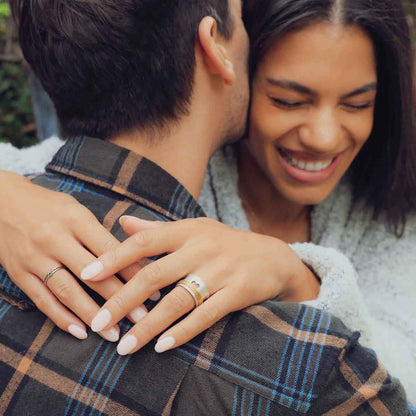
331 126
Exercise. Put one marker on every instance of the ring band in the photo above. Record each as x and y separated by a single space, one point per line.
196 287
51 273
192 291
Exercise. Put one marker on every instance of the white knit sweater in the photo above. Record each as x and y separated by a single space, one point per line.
371 286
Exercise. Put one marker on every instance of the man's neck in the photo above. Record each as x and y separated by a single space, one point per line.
183 150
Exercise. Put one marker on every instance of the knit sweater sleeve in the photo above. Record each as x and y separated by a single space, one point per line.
340 293
28 160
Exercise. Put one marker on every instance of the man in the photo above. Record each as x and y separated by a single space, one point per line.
148 90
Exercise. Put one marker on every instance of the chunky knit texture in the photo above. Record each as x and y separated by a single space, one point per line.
371 286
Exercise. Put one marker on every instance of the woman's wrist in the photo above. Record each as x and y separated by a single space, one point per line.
303 284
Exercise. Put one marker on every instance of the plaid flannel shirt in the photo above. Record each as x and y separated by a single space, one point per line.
270 359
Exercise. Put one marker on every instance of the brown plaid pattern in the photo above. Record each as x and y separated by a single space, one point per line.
271 359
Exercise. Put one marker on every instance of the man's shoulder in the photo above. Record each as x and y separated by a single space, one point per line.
104 203
295 357
283 352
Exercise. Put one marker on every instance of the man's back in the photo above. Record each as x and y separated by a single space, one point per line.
273 358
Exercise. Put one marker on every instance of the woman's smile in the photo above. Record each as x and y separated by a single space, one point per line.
308 168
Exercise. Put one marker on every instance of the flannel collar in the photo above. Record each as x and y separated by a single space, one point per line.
126 173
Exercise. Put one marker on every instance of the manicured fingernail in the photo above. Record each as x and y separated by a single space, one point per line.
156 296
127 345
77 332
101 320
165 344
138 314
111 334
92 270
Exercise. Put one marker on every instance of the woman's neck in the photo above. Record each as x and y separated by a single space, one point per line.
267 210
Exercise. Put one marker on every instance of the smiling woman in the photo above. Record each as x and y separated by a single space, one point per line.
329 161
308 122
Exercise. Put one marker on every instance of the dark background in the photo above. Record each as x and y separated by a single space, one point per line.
17 123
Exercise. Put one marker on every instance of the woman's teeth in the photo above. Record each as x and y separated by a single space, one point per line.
308 166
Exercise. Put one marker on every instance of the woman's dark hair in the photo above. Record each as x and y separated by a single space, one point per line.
384 173
115 65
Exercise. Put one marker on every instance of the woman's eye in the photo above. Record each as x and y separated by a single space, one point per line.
287 104
358 106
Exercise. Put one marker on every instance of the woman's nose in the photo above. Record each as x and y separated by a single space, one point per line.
322 133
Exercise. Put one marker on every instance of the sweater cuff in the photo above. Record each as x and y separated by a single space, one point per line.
340 294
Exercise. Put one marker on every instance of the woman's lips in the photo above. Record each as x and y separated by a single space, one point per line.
307 170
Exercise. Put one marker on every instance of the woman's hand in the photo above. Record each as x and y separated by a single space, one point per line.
41 229
240 269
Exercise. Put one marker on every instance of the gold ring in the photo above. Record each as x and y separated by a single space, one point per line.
196 287
51 273
193 291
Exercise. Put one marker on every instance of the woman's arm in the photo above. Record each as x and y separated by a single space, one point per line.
339 293
240 269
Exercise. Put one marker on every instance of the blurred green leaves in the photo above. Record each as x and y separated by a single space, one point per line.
4 9
16 117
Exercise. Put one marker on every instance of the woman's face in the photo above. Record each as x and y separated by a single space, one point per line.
312 109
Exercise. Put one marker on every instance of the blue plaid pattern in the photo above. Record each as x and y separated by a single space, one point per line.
270 359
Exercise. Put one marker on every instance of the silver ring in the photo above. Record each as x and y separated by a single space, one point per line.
51 272
199 284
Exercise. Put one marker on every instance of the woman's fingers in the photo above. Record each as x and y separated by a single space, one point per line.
176 304
106 288
75 257
172 307
202 318
67 290
148 243
153 277
47 303
98 240
132 225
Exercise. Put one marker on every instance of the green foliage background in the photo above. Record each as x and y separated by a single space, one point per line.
16 116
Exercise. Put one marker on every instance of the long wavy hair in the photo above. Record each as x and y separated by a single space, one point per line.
384 173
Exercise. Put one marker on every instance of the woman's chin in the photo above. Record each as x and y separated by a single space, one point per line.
307 195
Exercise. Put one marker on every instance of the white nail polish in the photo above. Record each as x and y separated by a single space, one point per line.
101 320
127 345
111 335
138 314
92 270
156 296
165 344
77 332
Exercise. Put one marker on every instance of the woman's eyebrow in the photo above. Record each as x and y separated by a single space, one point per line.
292 85
372 86
302 89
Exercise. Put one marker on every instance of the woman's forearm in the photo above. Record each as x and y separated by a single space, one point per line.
340 294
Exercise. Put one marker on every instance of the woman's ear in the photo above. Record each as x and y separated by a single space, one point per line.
215 54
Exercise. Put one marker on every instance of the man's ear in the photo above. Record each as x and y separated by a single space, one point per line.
214 53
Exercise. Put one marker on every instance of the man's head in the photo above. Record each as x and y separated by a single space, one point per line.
112 66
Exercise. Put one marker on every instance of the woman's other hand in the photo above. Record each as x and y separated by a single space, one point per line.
41 229
240 269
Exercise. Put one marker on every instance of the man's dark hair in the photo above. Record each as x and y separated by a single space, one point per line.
384 173
111 66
